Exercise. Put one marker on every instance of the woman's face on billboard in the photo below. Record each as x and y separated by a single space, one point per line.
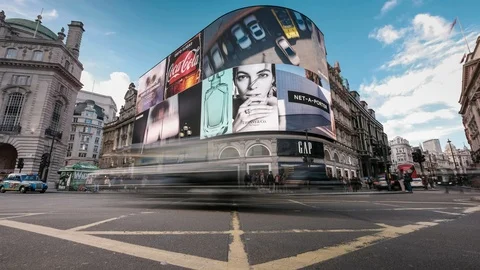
254 80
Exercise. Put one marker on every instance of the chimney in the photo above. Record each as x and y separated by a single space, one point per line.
74 38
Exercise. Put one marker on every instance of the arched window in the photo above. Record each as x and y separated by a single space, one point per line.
11 53
57 109
327 155
37 56
229 152
258 150
335 157
12 112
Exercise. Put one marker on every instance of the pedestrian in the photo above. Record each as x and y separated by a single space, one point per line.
408 181
401 181
270 180
262 179
247 179
277 182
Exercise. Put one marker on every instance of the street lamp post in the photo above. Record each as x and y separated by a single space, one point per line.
55 135
454 163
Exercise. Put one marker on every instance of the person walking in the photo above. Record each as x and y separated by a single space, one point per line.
408 181
270 180
247 179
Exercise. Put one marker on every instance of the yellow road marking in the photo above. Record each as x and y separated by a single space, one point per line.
163 256
324 254
83 227
237 257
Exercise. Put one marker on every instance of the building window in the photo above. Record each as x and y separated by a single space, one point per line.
229 152
85 138
82 154
20 80
70 147
97 140
55 123
88 121
74 128
75 120
11 53
69 154
94 155
37 56
11 114
95 148
87 129
84 147
72 137
258 150
99 131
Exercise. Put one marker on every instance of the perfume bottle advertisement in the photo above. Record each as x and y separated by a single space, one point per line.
189 102
255 103
216 112
163 122
151 87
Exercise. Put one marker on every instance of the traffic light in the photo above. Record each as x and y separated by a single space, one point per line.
389 151
44 161
416 157
20 163
422 158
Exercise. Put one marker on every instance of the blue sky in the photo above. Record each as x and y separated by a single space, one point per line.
397 53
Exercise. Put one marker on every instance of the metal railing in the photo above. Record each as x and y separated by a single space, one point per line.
13 129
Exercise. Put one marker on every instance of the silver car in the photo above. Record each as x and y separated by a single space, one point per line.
287 50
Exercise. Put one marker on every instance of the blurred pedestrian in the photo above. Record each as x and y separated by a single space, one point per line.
408 181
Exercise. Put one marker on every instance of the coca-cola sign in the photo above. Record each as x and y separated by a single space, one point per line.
187 62
184 64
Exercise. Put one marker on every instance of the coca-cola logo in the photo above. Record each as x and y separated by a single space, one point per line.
185 63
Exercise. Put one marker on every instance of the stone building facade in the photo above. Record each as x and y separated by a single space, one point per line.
117 134
39 82
401 152
470 101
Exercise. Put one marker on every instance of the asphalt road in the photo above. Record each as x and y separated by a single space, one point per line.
424 230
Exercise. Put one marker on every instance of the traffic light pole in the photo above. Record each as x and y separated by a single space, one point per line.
387 179
49 159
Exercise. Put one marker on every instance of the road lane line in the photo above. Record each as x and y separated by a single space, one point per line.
297 202
154 232
22 215
237 257
386 204
83 227
324 254
162 256
472 210
449 213
314 231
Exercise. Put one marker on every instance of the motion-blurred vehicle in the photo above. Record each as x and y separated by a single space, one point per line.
300 21
381 184
207 68
217 57
287 49
242 38
417 183
255 29
23 182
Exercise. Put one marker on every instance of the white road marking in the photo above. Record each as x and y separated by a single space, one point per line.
386 204
315 231
20 215
324 254
472 210
174 258
297 202
237 257
154 232
83 227
449 213
405 202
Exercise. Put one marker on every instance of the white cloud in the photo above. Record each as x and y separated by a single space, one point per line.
425 70
110 33
115 86
50 15
387 34
389 5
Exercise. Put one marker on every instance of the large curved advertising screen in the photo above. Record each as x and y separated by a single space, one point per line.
255 69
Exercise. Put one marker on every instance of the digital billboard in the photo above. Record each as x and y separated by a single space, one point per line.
151 87
255 69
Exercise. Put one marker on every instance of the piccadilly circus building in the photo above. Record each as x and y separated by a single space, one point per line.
250 93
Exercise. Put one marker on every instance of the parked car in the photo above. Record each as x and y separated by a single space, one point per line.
300 21
288 51
309 24
242 38
228 49
217 57
22 182
381 184
207 67
255 29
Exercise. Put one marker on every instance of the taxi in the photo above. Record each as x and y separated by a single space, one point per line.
22 182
